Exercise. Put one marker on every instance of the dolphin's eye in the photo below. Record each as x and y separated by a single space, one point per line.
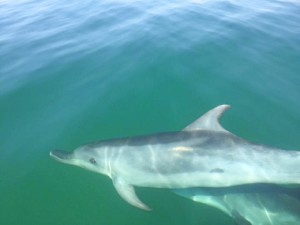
92 160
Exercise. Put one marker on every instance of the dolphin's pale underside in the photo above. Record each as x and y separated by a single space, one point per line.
204 154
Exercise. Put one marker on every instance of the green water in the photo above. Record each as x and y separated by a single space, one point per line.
74 72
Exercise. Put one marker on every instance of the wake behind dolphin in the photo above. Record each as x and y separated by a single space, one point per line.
204 154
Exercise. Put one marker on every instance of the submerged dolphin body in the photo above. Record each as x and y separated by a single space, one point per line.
253 204
204 154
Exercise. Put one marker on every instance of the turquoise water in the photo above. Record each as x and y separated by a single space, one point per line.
74 72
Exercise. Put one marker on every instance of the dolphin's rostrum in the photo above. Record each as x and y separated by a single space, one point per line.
203 154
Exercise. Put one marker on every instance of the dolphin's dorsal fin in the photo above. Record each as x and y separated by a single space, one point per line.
210 120
126 191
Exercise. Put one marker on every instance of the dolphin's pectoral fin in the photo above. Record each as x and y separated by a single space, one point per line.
210 120
126 191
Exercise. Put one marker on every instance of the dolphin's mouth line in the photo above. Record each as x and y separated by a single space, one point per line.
60 156
54 156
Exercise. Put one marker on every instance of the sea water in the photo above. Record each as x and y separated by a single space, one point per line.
72 72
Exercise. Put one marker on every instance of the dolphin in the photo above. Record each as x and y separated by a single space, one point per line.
203 154
253 204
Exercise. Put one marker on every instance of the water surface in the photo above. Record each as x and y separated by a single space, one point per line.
74 72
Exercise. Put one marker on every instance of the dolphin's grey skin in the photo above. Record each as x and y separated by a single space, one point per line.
202 155
254 204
